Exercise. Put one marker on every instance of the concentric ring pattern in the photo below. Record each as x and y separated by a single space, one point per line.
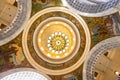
56 41
56 38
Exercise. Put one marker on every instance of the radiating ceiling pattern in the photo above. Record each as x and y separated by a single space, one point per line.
71 33
56 40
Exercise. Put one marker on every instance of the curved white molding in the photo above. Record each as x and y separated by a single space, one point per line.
95 9
23 74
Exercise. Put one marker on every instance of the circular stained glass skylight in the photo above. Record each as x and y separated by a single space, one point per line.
93 8
23 74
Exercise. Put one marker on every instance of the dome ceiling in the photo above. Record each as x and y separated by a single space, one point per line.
61 39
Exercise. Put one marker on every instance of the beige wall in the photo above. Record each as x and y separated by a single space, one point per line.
7 12
11 1
107 65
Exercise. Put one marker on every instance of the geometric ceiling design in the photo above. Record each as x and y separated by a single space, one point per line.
62 31
59 39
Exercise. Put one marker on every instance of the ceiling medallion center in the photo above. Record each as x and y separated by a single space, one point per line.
58 42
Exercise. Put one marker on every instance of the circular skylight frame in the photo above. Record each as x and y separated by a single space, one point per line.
84 12
95 53
26 71
18 23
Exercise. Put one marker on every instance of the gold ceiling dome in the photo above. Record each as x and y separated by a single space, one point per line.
56 41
